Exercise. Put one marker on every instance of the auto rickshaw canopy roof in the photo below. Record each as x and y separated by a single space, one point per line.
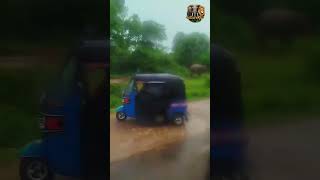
174 86
157 77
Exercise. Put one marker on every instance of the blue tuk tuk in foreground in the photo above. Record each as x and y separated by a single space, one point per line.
154 97
65 123
228 142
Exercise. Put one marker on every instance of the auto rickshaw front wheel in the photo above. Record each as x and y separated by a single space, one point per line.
34 169
121 116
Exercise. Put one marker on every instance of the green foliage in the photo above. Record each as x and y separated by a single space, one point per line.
146 60
191 48
152 33
117 13
136 45
197 88
277 85
282 81
115 94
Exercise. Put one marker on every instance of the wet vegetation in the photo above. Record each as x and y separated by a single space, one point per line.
279 65
136 46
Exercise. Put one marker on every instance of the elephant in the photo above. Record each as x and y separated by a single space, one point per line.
197 69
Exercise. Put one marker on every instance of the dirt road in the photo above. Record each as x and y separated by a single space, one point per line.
129 138
119 80
168 152
287 152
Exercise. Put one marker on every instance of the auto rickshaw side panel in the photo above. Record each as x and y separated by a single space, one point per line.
63 148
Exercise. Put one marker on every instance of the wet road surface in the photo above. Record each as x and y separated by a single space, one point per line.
187 161
287 152
129 138
162 152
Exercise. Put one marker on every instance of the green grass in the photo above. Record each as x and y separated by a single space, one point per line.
115 94
197 88
278 85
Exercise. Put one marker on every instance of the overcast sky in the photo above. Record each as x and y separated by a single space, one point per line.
172 14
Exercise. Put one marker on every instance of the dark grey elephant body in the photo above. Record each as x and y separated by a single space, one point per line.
197 69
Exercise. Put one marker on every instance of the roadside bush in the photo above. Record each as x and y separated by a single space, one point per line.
115 94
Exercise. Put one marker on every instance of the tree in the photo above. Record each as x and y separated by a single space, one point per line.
117 15
147 34
132 31
191 48
152 34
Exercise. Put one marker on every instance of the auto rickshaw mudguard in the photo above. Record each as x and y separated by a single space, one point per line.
35 148
120 109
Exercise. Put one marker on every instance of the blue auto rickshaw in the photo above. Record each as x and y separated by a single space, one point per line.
228 142
154 96
64 119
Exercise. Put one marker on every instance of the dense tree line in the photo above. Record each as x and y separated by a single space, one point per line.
137 45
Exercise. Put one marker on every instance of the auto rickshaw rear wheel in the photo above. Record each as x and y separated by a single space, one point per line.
35 169
121 116
179 119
